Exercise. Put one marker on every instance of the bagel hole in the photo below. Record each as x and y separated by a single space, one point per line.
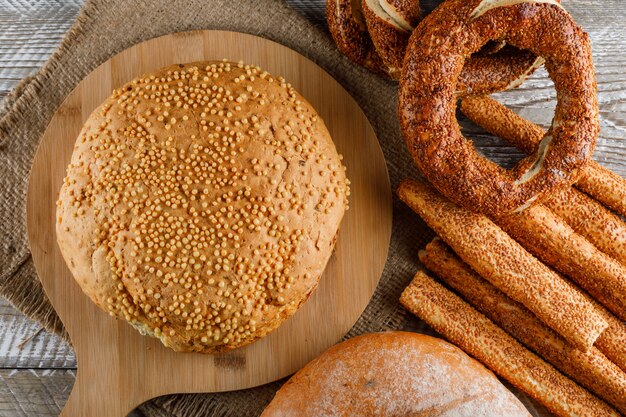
488 145
535 100
428 6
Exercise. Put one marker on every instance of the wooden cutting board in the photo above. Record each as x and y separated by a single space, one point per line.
117 367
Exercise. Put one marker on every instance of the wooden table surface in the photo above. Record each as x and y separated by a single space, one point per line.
37 369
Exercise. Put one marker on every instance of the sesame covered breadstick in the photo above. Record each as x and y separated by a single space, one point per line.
612 342
458 322
591 369
604 185
597 181
553 241
592 220
502 122
507 265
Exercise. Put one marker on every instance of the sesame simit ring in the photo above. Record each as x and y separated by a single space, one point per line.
374 34
496 67
349 31
390 23
436 55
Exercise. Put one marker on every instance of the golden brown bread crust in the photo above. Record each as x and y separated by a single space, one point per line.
437 51
201 204
394 374
407 12
613 341
600 226
494 68
504 69
502 122
604 185
591 369
587 216
507 265
390 23
554 242
461 324
379 44
349 31
582 213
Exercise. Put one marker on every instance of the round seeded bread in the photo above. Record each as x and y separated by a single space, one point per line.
391 375
201 204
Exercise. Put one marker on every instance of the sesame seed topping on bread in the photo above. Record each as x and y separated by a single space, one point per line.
201 204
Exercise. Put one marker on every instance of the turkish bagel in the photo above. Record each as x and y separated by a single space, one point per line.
375 34
435 57
495 68
349 31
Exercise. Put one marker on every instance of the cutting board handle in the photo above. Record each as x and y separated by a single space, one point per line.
118 368
95 397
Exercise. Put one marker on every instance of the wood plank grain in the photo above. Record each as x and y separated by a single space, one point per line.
24 345
37 392
28 392
30 32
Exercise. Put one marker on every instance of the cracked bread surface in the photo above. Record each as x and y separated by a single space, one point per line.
201 204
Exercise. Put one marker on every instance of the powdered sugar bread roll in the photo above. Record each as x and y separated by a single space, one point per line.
394 374
201 204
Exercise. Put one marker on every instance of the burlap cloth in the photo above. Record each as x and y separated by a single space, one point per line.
106 27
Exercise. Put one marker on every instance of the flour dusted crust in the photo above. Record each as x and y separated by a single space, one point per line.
394 374
201 204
